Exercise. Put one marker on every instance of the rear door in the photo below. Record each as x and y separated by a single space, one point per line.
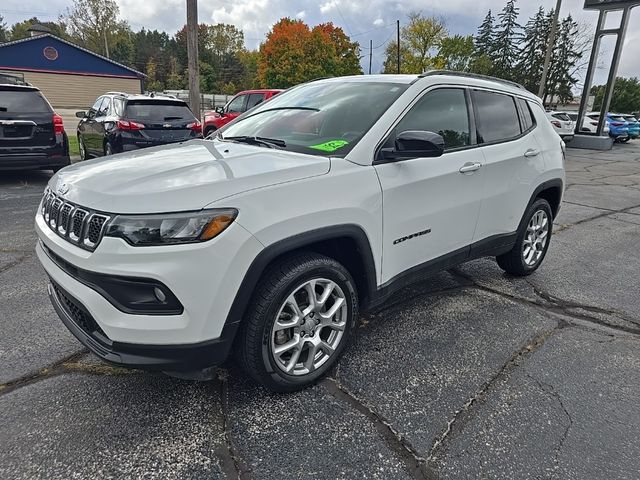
513 161
26 121
164 120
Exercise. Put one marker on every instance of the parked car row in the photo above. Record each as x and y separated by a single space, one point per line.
621 127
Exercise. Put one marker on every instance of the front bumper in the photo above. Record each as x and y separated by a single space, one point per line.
204 277
171 358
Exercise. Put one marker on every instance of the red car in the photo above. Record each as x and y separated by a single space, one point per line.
239 104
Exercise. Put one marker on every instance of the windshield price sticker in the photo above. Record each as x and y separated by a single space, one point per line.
331 146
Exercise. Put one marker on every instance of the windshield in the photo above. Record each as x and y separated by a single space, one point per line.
318 118
158 110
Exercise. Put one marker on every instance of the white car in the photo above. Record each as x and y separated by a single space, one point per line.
590 123
562 124
269 239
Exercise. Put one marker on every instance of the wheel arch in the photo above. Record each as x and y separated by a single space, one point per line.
551 191
348 244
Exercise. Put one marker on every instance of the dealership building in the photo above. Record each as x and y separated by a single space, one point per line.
69 76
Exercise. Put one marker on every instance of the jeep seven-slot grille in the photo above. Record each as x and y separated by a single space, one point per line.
82 227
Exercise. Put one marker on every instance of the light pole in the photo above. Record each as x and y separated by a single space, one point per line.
192 56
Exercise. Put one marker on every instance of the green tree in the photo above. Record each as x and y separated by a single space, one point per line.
626 95
21 29
485 39
4 33
506 42
419 41
456 53
561 80
533 50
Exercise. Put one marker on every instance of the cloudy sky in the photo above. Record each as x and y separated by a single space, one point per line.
363 20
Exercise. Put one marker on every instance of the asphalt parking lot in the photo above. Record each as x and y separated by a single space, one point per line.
471 374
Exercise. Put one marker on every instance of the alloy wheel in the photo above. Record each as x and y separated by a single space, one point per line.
309 327
536 238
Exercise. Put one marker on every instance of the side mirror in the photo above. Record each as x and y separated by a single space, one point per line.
81 114
414 144
219 110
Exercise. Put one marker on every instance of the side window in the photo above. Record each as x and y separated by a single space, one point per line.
104 107
496 117
527 117
118 107
95 107
443 111
254 99
237 104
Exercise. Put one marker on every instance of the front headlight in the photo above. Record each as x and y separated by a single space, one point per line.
171 228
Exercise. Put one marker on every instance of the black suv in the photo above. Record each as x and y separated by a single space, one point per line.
32 135
119 122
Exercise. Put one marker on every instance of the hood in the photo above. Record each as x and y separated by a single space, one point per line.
179 177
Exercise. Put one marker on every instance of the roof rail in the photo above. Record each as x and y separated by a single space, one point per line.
454 73
117 93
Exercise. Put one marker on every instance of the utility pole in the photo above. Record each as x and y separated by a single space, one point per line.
370 54
192 54
106 45
550 45
398 42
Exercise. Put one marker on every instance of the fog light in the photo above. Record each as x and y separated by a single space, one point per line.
159 294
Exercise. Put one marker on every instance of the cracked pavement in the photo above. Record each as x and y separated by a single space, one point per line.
470 374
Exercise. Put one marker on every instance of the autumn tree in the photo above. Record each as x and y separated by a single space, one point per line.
293 53
95 24
419 41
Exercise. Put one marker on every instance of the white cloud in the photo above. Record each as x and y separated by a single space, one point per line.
328 6
378 22
301 14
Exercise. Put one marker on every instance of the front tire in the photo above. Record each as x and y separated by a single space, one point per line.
299 321
532 241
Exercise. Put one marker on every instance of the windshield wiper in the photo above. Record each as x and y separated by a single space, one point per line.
267 142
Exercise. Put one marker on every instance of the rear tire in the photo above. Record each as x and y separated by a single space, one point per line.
532 241
287 341
108 149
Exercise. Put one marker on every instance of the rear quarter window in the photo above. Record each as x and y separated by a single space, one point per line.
23 101
496 117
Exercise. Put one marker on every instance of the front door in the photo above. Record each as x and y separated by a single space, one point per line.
430 206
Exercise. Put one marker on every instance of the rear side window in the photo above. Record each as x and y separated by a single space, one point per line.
496 117
23 101
157 110
528 121
443 111
561 116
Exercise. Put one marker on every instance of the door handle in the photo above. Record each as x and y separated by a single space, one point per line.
470 167
532 153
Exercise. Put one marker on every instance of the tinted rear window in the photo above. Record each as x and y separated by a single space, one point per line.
158 111
497 117
527 116
617 118
20 101
562 116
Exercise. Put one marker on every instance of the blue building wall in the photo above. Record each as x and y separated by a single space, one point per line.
63 58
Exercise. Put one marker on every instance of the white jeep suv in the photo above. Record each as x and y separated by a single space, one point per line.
267 240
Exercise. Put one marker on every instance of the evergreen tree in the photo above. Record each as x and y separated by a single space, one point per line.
561 79
506 42
484 41
532 52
